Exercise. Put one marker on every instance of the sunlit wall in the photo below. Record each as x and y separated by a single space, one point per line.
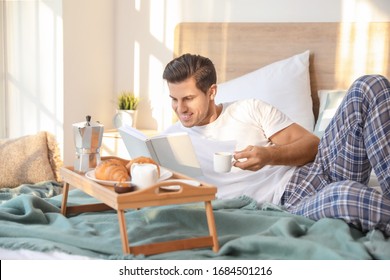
365 49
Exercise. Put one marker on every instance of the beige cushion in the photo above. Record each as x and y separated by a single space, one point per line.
29 159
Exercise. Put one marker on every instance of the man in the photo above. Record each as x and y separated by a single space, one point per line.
278 161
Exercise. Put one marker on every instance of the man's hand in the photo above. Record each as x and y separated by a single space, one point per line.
252 158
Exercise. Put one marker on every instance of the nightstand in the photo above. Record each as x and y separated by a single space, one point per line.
112 143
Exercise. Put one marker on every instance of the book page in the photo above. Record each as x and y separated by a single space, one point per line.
175 151
133 131
135 142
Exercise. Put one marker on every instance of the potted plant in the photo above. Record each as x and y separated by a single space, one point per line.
127 101
127 107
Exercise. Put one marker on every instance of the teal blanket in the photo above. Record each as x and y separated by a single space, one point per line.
244 231
44 189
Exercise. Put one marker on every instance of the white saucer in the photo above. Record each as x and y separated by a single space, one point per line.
164 175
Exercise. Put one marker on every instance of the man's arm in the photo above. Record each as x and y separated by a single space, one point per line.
293 145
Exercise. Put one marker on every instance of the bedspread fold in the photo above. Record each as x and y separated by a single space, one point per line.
44 189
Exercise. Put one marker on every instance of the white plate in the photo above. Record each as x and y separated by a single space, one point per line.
164 175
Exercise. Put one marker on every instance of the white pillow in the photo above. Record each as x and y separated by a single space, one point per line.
284 84
330 100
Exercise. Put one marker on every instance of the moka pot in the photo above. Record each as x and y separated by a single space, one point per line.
88 140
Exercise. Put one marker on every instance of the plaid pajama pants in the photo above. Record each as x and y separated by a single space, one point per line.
356 141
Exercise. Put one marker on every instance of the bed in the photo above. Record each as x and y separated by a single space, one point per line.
321 56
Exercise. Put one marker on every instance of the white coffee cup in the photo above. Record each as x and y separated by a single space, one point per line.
144 175
223 162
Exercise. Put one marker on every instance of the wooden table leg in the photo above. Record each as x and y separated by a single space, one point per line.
123 232
65 191
211 224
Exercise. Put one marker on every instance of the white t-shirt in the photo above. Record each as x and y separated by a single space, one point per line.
241 123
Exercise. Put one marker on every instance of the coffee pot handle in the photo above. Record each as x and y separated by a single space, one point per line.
88 118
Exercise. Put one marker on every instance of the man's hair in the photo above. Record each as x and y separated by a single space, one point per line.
189 65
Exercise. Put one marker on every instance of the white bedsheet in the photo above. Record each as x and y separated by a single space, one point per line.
23 254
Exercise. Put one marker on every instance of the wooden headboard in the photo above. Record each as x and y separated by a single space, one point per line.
340 52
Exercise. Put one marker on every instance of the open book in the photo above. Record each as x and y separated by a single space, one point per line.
173 151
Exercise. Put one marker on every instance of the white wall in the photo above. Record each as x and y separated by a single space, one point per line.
88 65
112 45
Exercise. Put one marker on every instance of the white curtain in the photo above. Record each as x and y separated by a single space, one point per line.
2 71
32 63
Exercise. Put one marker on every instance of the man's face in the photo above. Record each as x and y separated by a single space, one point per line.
192 106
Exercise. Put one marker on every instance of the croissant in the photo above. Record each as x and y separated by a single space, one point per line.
142 160
112 170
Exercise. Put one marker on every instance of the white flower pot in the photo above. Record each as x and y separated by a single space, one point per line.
128 117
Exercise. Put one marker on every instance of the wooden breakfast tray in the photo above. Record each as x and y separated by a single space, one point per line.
155 195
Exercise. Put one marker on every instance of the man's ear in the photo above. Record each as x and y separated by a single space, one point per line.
213 91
